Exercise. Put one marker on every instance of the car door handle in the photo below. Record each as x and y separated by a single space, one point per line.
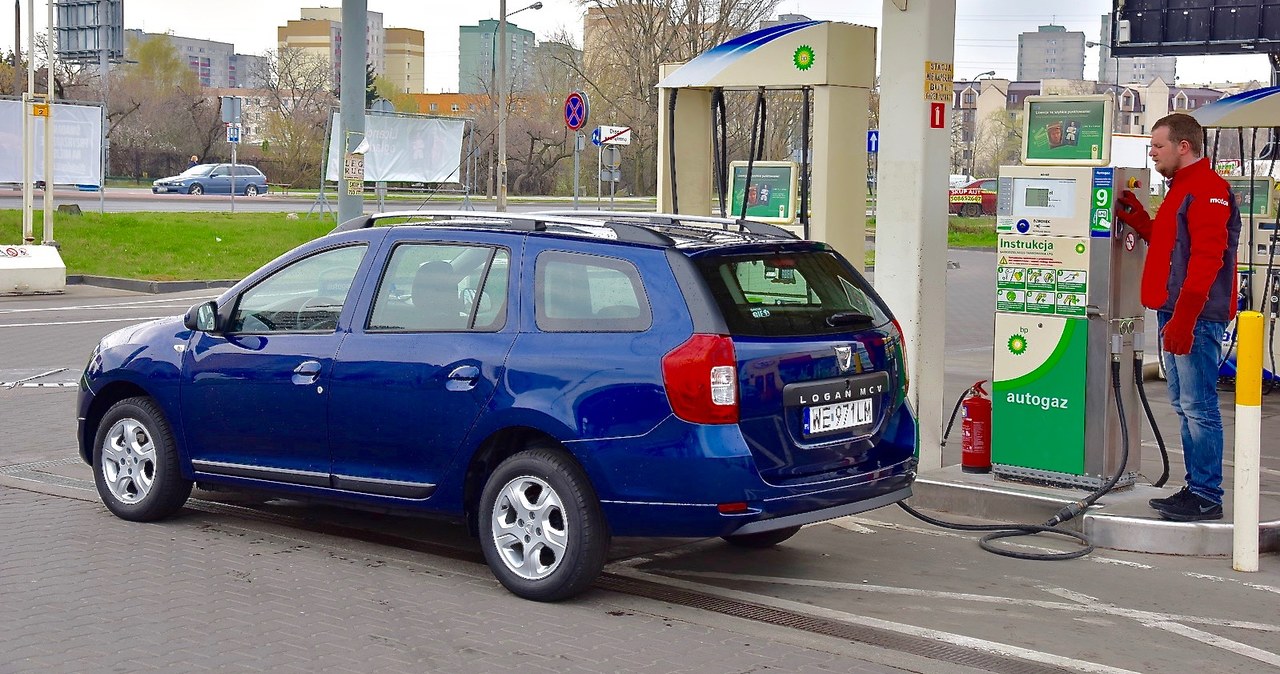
306 373
463 378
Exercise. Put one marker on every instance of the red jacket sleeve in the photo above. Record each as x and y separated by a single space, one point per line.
1207 217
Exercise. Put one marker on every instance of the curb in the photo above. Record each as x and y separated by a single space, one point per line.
153 287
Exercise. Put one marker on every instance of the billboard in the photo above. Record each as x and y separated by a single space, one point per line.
77 144
1194 27
404 148
86 27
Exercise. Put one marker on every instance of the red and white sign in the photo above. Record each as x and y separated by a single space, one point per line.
1130 241
615 135
937 115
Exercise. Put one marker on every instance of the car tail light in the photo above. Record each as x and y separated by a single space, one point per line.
902 352
701 378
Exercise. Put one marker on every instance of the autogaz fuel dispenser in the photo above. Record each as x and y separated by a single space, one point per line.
1067 304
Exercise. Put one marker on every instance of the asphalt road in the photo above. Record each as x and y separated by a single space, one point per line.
129 200
914 591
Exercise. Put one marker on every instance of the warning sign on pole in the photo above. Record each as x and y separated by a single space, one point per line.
353 171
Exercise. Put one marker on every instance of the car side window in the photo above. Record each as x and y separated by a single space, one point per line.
989 185
428 287
589 293
247 171
220 172
305 296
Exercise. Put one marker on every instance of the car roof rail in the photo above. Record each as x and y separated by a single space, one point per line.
530 222
674 220
515 221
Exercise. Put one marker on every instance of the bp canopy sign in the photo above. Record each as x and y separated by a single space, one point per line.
1067 130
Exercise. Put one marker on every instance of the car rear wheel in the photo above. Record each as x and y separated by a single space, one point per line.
541 527
764 539
196 189
251 190
135 462
971 210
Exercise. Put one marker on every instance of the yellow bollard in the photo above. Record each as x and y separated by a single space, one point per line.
1248 440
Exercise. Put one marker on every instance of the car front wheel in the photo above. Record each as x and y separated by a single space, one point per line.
135 462
541 527
251 191
972 210
196 189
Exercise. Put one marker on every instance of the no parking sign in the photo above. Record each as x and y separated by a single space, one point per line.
575 110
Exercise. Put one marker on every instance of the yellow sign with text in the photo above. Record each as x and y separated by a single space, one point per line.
938 78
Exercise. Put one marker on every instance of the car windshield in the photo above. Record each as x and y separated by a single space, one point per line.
200 170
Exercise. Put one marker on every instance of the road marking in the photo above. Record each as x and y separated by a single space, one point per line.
845 523
1077 602
1219 642
983 645
1032 548
110 305
135 319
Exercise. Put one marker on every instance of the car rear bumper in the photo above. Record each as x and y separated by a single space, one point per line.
773 508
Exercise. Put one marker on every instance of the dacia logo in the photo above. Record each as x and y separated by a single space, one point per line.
844 357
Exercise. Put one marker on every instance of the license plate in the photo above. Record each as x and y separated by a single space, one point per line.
838 416
162 189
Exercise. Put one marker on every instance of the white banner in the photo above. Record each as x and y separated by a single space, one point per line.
77 144
405 149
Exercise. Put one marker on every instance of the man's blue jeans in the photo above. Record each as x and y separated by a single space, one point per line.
1193 392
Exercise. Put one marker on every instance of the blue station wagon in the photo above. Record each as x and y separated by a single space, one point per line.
551 380
214 179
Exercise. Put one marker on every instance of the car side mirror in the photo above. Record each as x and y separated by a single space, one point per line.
202 317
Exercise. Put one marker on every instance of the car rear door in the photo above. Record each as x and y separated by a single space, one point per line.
820 362
422 363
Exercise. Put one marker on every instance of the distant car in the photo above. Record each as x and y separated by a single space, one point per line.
214 179
974 199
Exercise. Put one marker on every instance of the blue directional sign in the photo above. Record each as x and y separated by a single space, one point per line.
233 133
575 110
595 137
873 141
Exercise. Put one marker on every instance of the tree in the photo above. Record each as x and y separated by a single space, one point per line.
299 103
370 86
630 40
385 89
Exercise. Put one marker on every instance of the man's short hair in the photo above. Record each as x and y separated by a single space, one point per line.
1183 127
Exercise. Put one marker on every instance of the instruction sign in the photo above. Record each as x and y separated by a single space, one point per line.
938 79
771 196
1067 130
1042 275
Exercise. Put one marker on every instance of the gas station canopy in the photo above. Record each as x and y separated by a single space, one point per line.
1257 108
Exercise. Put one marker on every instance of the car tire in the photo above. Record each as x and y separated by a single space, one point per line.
135 462
196 189
971 210
251 190
541 528
764 539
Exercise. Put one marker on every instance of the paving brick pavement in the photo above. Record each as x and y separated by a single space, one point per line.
81 591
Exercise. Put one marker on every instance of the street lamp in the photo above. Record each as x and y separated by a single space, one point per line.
501 84
973 131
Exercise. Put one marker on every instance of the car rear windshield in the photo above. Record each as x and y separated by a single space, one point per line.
791 294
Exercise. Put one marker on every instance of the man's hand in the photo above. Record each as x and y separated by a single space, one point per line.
1130 211
1179 333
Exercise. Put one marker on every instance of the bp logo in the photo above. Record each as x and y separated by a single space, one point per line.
1080 248
803 57
1017 345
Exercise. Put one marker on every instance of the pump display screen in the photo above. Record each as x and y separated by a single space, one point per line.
1037 197
1044 197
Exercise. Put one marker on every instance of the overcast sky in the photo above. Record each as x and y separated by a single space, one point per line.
986 30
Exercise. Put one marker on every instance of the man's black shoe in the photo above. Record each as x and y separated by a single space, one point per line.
1193 508
1177 497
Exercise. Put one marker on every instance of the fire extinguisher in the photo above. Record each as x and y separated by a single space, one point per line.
975 430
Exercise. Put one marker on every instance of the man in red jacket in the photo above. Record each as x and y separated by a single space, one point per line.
1190 281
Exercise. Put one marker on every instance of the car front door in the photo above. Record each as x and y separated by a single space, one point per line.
254 395
416 373
220 180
